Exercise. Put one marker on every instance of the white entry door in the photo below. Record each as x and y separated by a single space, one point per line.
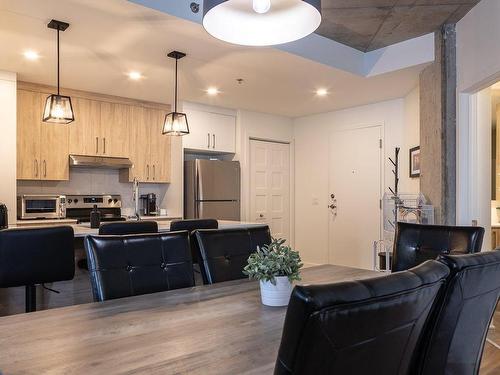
270 186
355 192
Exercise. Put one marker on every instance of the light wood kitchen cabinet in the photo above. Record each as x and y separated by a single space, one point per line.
42 149
83 131
150 150
210 132
104 126
100 128
113 134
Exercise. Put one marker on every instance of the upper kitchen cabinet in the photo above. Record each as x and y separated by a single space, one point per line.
84 131
113 130
100 128
150 150
210 131
42 148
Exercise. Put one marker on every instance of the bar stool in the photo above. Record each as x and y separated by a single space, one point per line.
35 256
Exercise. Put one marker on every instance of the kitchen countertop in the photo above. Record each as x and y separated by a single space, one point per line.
83 229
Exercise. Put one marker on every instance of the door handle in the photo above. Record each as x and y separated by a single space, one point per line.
96 145
36 168
44 168
208 140
104 145
332 206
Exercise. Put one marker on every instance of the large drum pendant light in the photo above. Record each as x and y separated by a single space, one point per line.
58 108
261 22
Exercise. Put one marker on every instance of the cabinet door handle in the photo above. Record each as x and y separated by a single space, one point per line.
208 140
213 135
36 168
96 145
147 167
44 168
154 171
104 145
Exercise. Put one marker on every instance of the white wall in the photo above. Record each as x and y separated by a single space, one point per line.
410 139
266 127
311 135
478 67
8 98
478 55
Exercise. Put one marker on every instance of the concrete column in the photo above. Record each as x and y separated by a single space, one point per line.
438 128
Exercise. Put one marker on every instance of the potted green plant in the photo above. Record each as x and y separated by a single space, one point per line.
276 266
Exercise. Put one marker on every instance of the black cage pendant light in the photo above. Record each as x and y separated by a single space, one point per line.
176 123
58 108
261 22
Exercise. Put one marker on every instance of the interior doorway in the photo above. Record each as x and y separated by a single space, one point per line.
355 188
270 186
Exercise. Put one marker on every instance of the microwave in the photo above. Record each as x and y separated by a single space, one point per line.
41 207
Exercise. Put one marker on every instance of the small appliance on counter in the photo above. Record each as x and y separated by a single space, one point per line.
79 207
41 207
95 217
149 207
4 218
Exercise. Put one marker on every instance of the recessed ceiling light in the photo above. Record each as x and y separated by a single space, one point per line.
212 91
134 75
31 55
322 92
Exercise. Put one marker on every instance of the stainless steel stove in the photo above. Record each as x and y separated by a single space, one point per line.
79 207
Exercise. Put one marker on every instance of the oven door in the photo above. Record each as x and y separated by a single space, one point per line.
41 207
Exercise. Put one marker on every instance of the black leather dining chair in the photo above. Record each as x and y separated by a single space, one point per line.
128 227
224 252
369 326
457 331
123 266
191 225
416 243
30 256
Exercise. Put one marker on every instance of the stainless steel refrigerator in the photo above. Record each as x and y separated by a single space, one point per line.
212 189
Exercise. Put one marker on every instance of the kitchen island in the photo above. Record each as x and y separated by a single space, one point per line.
83 229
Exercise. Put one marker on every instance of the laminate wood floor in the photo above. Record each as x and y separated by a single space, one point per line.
78 291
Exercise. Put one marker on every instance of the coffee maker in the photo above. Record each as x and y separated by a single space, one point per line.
149 204
4 219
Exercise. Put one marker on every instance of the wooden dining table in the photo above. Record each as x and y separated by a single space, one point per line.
214 329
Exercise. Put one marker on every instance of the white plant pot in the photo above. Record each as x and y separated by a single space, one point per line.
276 295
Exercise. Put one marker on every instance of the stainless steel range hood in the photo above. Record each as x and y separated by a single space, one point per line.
99 162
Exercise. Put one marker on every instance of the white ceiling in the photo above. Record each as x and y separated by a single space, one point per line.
107 39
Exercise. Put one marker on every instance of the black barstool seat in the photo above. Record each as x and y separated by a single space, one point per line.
30 256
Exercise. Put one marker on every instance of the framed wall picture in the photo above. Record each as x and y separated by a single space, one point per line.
415 161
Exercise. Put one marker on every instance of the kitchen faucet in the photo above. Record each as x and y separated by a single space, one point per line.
135 198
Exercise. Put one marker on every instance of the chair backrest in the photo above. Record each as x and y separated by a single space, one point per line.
416 243
31 256
457 331
191 225
123 266
128 227
224 252
370 326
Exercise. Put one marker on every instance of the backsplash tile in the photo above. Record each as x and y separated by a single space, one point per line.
94 181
